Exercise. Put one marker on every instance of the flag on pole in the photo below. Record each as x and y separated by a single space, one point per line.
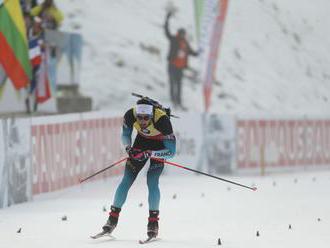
210 18
14 56
35 52
43 91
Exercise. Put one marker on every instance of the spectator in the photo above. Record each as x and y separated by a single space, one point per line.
177 61
27 21
50 15
27 5
36 47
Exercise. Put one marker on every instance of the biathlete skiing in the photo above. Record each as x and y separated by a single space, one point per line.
154 139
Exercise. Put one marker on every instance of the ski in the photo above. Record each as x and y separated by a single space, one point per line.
102 234
148 240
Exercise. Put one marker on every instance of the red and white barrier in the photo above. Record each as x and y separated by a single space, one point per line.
284 143
64 151
66 148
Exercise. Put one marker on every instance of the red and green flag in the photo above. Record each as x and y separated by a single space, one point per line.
13 44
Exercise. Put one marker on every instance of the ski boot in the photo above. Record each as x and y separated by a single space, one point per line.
112 220
153 224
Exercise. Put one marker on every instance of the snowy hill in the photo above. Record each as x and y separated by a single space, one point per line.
274 54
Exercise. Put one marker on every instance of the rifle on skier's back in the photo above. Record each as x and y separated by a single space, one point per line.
156 104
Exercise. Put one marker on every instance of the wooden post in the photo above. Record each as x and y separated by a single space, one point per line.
262 160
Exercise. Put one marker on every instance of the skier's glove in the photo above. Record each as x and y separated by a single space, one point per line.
131 152
144 155
128 149
137 154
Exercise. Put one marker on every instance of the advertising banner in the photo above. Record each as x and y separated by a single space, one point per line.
188 132
219 143
100 144
55 152
205 142
283 143
15 166
68 148
3 168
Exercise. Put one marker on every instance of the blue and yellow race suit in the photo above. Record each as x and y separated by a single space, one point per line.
159 138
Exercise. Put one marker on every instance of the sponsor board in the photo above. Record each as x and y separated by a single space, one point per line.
15 166
205 142
283 143
3 168
65 151
188 133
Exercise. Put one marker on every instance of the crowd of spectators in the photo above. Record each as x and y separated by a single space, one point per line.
38 17
51 17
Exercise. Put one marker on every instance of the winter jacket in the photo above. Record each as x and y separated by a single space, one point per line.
52 11
179 48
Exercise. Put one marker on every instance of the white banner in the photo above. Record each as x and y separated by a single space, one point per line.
3 169
219 143
15 166
188 132
205 142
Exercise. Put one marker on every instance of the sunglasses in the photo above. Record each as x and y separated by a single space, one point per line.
143 117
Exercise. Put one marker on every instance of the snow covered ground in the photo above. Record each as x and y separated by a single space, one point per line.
274 54
195 212
274 59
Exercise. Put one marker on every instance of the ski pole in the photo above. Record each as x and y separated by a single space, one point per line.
205 174
100 171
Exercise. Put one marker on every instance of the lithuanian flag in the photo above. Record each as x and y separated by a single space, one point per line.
13 44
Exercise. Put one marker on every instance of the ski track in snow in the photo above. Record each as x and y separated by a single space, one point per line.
195 212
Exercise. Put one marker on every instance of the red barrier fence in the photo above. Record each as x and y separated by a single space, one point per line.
284 142
62 153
